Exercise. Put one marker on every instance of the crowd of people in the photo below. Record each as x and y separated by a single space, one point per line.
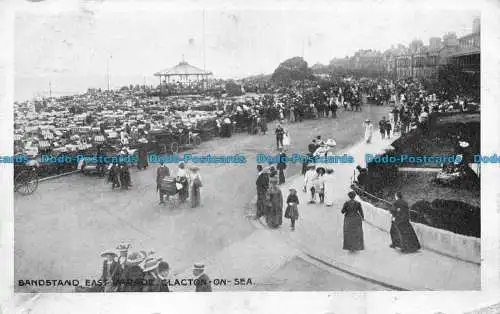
319 182
411 106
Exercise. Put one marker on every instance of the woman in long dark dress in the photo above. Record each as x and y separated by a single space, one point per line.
402 233
274 200
353 228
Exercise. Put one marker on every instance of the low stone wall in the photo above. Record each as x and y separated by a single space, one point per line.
441 241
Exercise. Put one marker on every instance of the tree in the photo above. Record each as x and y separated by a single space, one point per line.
233 89
294 69
452 81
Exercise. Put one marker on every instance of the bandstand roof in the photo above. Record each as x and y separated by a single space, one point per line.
183 68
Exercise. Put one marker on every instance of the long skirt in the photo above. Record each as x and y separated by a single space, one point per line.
403 236
195 197
261 203
292 212
329 189
368 137
274 217
353 233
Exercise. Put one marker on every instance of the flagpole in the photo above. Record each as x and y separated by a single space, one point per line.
204 50
107 71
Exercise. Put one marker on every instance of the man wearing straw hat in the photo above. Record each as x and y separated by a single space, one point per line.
202 281
123 250
110 271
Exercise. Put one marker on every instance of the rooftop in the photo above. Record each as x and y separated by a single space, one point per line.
183 68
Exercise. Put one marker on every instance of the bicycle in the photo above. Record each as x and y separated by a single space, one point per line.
26 181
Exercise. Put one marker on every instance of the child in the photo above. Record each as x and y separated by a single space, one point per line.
319 184
292 211
310 182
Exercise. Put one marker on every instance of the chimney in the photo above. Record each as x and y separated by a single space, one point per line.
476 25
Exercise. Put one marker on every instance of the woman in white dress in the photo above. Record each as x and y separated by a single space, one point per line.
287 141
327 179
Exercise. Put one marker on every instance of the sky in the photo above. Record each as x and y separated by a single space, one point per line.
72 50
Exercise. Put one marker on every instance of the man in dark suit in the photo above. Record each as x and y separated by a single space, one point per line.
280 132
281 166
110 271
262 184
312 146
161 173
202 282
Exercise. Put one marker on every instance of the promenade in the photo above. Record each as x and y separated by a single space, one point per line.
319 234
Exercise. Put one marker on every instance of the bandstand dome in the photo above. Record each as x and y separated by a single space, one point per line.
182 69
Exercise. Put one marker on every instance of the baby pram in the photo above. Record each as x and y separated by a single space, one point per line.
170 187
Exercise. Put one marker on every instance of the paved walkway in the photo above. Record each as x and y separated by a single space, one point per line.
255 258
319 233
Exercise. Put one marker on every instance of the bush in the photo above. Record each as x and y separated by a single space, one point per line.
457 217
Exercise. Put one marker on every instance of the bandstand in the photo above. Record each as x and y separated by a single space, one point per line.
184 77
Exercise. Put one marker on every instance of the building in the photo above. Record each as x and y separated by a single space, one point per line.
340 62
422 61
390 57
419 60
416 45
404 66
184 75
435 43
468 54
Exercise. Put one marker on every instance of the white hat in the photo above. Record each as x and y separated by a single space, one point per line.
463 144
331 142
200 266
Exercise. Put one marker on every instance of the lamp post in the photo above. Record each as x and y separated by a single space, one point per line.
107 70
